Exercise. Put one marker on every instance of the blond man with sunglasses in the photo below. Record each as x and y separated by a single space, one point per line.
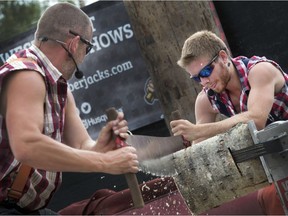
239 88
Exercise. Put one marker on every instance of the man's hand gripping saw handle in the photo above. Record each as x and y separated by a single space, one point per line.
175 115
131 178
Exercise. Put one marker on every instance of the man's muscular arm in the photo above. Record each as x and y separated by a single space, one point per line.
25 93
264 79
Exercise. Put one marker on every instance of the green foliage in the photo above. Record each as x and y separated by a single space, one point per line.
17 17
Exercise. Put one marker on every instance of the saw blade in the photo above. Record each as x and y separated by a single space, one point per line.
162 167
150 147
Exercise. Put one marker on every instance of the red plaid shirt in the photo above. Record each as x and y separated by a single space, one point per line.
222 103
41 184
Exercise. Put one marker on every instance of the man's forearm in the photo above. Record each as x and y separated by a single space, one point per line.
88 145
208 130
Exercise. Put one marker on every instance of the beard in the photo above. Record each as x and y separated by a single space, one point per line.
223 80
70 68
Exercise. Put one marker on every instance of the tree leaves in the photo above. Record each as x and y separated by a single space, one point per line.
17 17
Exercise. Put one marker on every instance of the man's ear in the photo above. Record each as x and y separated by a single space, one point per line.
73 44
223 54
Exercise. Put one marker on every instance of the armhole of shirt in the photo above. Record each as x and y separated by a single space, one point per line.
23 60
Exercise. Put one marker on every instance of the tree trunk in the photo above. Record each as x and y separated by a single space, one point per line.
208 176
161 27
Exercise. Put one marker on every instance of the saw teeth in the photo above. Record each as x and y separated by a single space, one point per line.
161 167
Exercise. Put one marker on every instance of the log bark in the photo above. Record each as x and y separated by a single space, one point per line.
208 176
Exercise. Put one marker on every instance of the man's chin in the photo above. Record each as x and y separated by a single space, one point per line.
218 91
70 76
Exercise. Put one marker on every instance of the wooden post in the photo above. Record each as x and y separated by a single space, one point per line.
207 175
161 27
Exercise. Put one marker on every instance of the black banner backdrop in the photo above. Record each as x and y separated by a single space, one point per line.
115 74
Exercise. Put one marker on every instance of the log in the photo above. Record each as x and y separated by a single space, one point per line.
207 175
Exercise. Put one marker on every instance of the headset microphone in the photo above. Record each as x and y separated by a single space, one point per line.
210 93
78 74
43 39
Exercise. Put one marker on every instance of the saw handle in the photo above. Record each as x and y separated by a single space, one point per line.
131 178
176 116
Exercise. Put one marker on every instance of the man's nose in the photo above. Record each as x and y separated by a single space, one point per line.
204 80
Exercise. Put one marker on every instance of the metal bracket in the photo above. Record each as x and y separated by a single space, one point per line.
275 164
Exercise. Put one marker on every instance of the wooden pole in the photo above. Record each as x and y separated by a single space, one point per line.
161 27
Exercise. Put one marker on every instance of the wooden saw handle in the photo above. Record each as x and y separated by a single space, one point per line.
131 178
175 115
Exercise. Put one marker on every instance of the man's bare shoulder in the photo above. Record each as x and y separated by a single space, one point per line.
203 105
25 83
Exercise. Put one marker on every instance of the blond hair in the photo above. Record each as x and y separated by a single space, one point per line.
57 20
202 43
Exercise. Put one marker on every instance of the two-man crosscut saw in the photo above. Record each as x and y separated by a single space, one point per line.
159 156
155 153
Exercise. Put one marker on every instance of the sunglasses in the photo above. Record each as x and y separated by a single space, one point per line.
205 71
83 40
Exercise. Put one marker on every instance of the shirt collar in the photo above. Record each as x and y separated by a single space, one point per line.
54 73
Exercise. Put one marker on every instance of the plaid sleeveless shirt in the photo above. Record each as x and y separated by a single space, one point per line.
41 184
222 103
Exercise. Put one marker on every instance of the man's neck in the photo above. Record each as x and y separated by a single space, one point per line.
234 85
